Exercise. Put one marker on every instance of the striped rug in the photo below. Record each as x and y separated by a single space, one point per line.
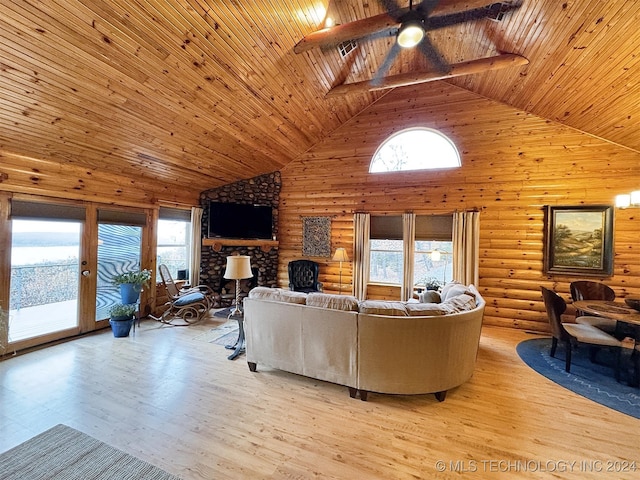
62 453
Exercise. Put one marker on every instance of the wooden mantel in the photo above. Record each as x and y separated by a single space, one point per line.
217 243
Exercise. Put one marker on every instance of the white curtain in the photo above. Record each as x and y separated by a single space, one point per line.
466 247
361 254
196 245
408 245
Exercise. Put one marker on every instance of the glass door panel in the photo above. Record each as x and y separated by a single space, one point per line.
44 277
119 250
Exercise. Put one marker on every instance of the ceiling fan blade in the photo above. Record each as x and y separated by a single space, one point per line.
426 7
429 51
433 23
392 8
360 28
387 34
386 64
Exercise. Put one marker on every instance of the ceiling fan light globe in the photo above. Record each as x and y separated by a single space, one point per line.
410 35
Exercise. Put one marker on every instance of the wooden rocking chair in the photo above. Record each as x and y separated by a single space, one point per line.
190 305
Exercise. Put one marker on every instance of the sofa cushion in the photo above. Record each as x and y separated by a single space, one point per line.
381 307
265 293
425 309
188 299
347 303
293 297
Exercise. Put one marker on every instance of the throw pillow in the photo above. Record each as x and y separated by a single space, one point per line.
444 291
461 303
430 296
454 291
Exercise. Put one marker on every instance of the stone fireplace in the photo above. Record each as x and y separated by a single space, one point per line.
261 190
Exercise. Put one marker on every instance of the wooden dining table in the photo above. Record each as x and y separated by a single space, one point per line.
604 308
627 323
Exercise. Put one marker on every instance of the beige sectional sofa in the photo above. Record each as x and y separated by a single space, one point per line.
370 346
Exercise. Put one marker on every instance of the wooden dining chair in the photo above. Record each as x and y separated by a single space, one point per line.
574 333
590 290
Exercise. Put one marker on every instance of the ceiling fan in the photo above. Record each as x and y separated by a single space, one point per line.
410 27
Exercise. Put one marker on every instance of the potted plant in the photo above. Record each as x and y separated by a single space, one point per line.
131 284
121 319
432 283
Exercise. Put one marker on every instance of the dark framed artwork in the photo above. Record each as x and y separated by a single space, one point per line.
579 240
316 236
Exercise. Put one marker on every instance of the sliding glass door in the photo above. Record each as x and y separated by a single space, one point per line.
44 278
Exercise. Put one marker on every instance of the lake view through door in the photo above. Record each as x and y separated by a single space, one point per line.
44 278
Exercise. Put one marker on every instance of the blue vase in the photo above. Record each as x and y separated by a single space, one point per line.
121 328
129 293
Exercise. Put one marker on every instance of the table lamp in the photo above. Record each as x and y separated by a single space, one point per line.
238 268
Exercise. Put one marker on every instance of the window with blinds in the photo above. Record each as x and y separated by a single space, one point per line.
174 241
433 261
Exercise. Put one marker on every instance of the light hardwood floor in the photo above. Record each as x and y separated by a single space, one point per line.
174 400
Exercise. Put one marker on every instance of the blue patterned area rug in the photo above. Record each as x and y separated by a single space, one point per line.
594 381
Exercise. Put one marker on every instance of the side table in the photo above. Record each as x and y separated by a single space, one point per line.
239 346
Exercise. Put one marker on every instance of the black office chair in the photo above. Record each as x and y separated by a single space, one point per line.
303 276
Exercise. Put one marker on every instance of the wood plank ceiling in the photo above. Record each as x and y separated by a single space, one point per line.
199 93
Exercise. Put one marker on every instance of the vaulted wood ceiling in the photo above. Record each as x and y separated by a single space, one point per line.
199 93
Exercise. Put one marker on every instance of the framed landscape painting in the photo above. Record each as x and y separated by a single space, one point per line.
579 240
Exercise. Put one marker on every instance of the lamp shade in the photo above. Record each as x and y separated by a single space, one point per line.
623 200
435 255
238 267
340 255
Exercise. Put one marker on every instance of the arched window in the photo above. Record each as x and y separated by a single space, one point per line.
415 149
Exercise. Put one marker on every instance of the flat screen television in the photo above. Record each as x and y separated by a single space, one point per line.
239 220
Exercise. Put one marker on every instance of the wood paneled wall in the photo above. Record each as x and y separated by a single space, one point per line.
514 164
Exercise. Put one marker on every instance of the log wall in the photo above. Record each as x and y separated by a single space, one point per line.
513 165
